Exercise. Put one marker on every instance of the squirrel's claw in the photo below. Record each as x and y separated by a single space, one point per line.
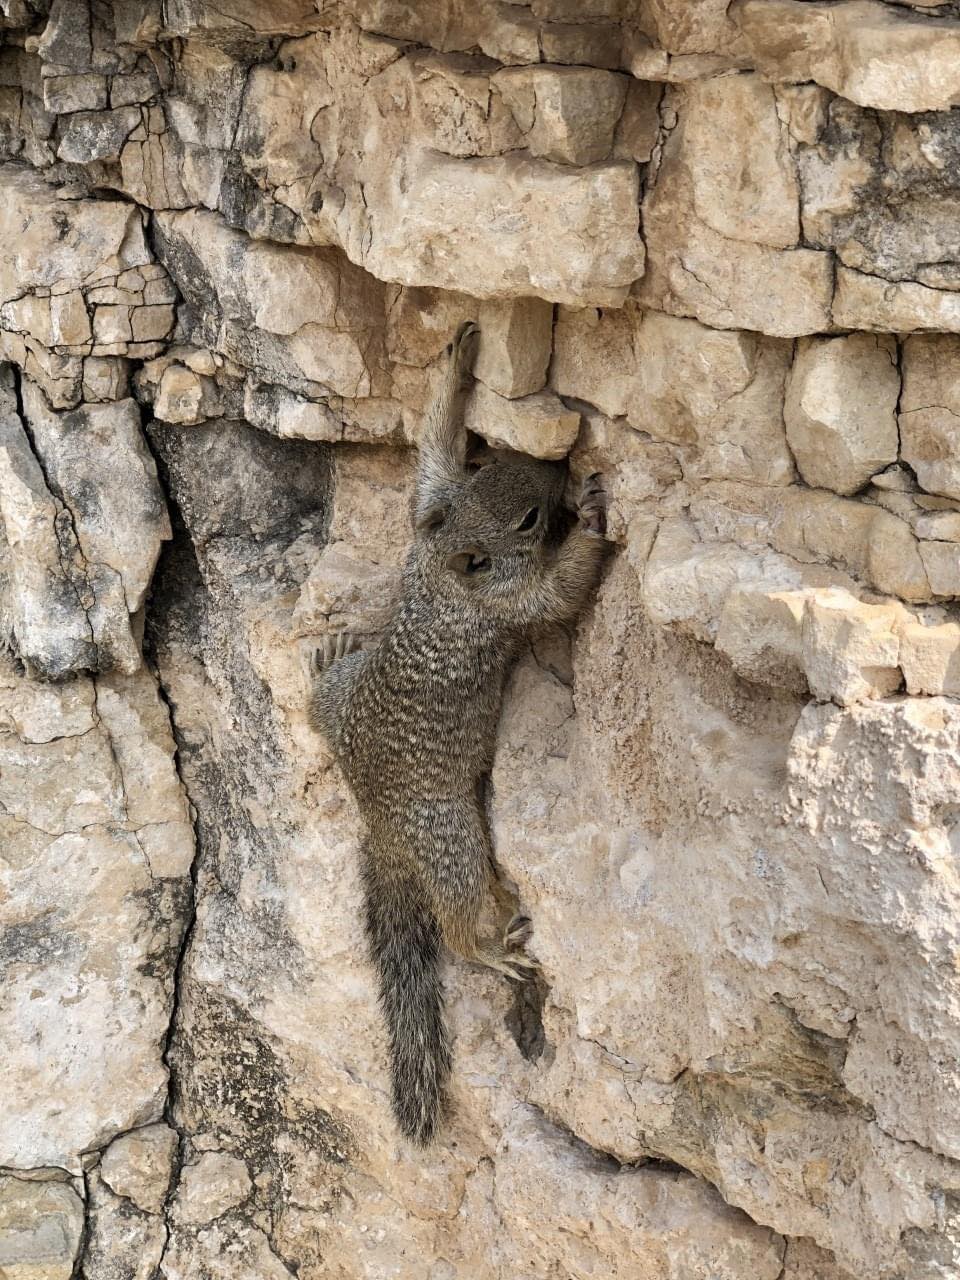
330 650
517 932
592 506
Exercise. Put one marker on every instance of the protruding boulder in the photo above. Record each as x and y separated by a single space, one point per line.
841 408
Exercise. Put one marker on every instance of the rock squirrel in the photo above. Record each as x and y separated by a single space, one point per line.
412 723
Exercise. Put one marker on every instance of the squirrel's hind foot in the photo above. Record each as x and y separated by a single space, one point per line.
513 964
517 932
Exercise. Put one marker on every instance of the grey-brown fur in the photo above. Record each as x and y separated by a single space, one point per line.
413 723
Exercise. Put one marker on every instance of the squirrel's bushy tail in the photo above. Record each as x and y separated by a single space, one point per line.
404 940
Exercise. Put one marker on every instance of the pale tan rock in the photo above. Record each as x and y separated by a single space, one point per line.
804 108
930 658
873 544
99 925
47 618
941 560
850 650
639 126
840 410
930 411
84 92
515 346
866 302
40 1229
721 393
862 49
29 314
743 182
555 1224
761 631
636 471
120 1238
539 424
456 107
289 415
139 1165
111 324
772 1027
595 43
703 26
686 581
895 479
567 114
239 18
493 226
594 357
325 337
151 322
123 528
185 397
69 321
215 1183
701 259
939 526
97 135
105 378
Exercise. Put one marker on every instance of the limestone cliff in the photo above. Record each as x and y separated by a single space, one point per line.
714 252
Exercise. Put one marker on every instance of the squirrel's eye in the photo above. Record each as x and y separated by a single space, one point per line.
529 520
477 564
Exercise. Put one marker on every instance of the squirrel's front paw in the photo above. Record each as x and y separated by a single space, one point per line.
592 506
329 650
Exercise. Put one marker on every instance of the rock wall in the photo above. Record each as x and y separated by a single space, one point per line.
714 252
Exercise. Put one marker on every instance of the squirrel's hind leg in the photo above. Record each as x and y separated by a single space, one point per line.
457 872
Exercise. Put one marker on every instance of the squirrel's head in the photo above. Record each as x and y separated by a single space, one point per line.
487 530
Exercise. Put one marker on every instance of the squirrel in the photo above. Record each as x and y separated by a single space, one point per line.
412 723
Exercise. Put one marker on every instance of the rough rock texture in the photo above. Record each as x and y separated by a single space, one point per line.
713 251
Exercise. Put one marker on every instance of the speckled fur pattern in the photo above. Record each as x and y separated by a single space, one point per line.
413 723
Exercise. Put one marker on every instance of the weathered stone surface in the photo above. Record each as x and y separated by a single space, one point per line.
865 302
724 213
721 393
594 357
305 315
866 51
207 1189
539 424
45 616
930 658
139 1165
880 191
83 554
47 240
40 1229
515 344
841 410
122 1241
725 795
850 650
567 114
930 411
510 226
97 852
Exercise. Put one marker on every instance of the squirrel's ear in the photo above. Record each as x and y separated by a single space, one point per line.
429 519
470 563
